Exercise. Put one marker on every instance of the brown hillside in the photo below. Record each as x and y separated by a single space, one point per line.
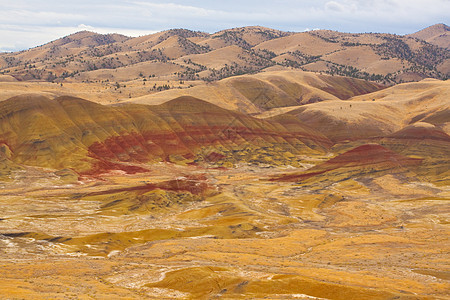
73 44
438 35
247 37
223 62
177 46
304 42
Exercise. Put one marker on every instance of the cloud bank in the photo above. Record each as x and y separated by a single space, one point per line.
28 23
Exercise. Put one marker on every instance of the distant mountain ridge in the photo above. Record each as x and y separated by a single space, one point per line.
438 35
182 54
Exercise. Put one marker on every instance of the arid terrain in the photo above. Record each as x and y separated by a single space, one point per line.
143 180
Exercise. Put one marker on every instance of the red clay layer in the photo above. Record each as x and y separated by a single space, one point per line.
369 154
104 166
421 133
139 148
365 156
195 187
124 135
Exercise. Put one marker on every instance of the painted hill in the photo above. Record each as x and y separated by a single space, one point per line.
194 56
90 138
71 133
269 118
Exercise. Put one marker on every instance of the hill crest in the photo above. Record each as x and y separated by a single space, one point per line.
438 34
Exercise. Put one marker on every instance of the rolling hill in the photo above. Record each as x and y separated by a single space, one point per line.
254 94
90 138
384 58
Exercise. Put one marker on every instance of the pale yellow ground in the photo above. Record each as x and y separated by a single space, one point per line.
248 238
100 92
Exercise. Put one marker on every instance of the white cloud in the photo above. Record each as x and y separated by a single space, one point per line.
29 17
334 6
178 9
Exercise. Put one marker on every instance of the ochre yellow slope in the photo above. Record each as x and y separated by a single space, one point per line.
380 113
267 90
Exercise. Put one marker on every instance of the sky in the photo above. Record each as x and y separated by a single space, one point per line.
29 23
